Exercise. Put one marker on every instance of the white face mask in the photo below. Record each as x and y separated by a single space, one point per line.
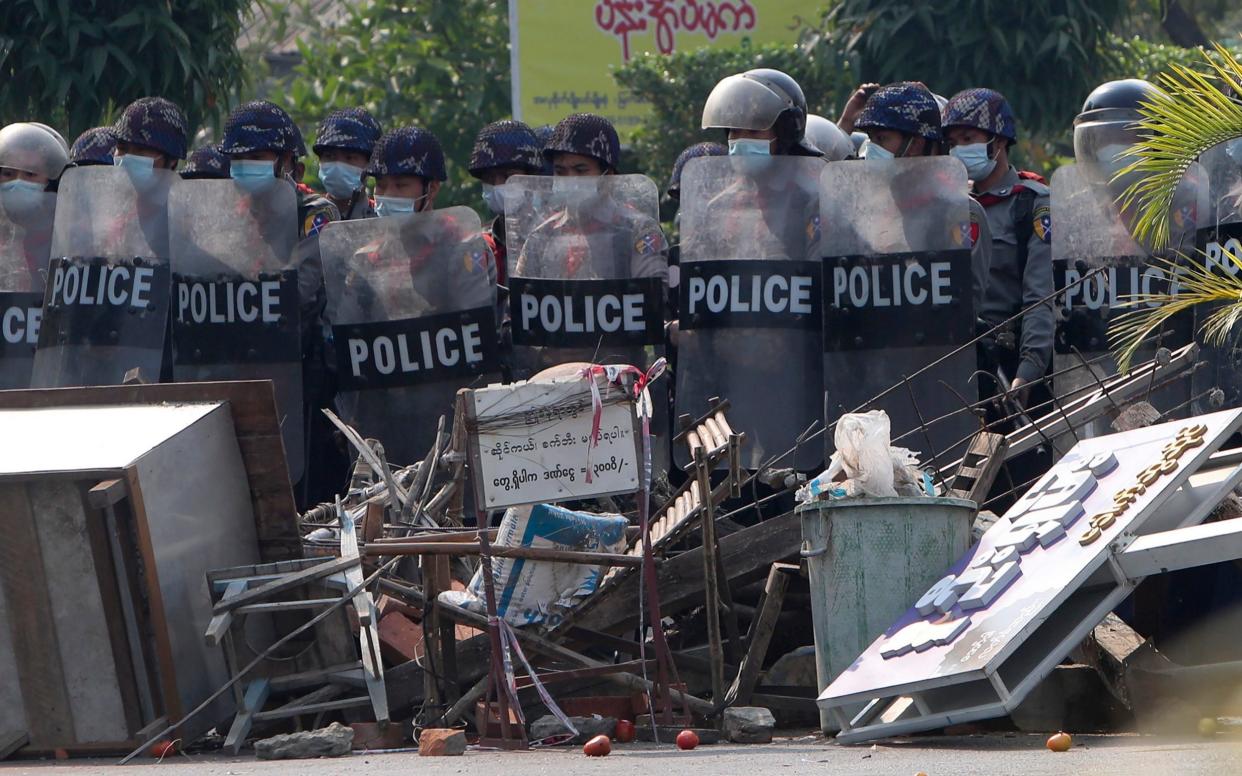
386 207
975 157
749 146
874 152
21 198
492 198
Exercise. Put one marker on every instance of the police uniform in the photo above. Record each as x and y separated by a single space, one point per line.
1019 210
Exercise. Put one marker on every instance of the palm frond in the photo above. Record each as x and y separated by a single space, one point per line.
1191 284
1193 114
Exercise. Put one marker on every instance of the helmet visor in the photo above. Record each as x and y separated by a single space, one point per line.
739 102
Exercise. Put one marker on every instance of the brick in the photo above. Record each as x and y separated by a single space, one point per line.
441 742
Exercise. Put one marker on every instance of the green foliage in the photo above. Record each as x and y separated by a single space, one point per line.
677 85
74 64
438 65
1137 57
1044 56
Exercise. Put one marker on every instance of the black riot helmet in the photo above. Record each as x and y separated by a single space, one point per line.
1107 122
761 99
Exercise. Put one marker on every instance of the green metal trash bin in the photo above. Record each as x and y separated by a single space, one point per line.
869 560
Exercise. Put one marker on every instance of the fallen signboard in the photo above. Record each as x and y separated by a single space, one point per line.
531 442
1069 551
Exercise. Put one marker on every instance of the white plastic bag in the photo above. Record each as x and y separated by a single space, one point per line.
862 444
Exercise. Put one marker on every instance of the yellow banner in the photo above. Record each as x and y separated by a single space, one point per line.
564 51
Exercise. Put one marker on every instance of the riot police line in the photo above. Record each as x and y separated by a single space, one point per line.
885 298
802 285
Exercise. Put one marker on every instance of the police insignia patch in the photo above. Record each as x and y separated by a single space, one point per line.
315 221
649 244
1043 223
475 261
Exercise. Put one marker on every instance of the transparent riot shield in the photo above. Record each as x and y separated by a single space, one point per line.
1100 267
412 302
749 302
105 309
1219 248
25 242
589 277
235 310
898 300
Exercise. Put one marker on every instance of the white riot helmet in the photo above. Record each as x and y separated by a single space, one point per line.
33 148
829 138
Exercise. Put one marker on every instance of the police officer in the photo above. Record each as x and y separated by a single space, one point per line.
673 192
501 150
206 162
32 157
408 166
902 120
587 145
94 146
263 145
763 113
829 138
151 133
262 142
696 151
980 129
343 143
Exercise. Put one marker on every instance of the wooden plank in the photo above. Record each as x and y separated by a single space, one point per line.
256 695
711 584
166 665
49 717
117 601
269 607
761 634
286 582
220 623
106 493
747 555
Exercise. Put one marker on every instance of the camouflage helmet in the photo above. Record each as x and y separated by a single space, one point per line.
260 125
906 107
153 122
206 162
350 129
506 143
585 134
33 148
692 152
408 151
94 146
984 109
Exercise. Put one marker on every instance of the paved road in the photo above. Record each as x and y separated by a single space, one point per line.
984 755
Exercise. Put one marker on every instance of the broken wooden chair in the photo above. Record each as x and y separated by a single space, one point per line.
271 589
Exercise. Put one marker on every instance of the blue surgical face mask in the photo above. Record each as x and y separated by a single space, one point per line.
141 169
386 207
21 198
875 152
749 146
253 175
493 200
975 157
340 180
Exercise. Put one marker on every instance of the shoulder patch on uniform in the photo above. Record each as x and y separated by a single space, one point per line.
475 261
316 219
649 244
1042 221
812 230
